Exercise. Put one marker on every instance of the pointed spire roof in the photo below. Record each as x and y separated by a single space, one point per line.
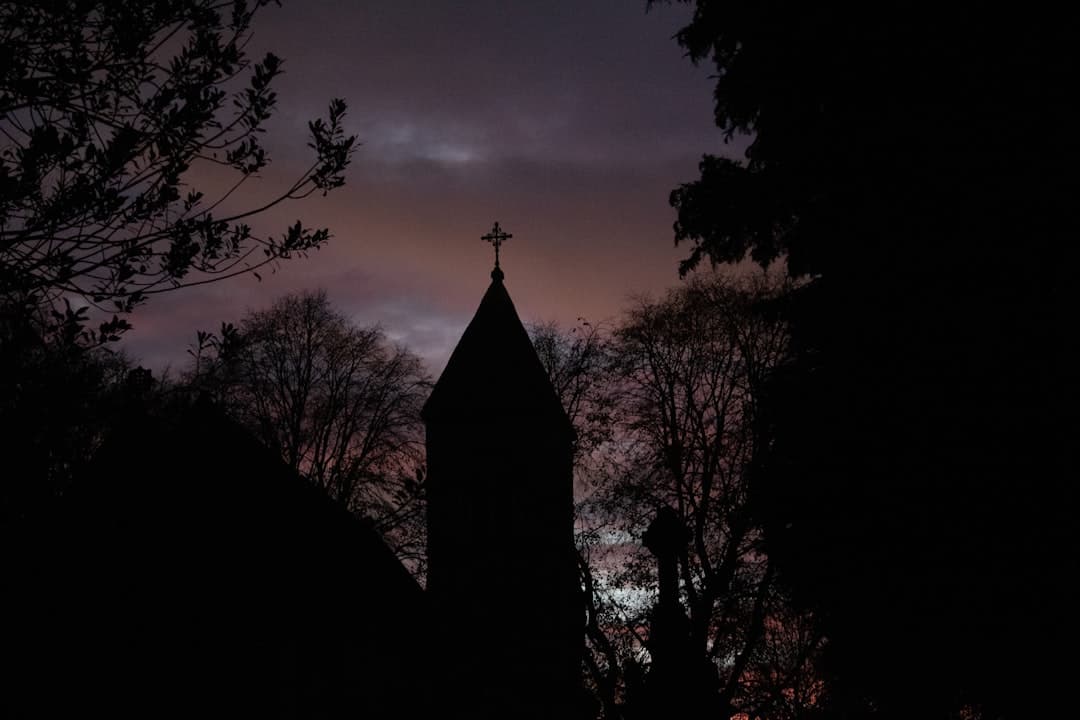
494 374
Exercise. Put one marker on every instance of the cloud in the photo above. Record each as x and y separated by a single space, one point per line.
569 122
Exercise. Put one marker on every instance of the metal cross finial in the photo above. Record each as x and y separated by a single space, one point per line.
496 237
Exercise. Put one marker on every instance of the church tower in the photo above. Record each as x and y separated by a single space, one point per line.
502 574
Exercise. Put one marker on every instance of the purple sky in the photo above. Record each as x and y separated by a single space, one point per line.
568 122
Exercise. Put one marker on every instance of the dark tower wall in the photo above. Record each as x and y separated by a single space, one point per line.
501 568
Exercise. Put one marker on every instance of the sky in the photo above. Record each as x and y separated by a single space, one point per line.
567 122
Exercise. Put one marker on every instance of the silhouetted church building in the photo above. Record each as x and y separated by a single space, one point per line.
192 573
502 574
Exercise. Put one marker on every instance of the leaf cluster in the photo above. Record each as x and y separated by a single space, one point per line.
109 112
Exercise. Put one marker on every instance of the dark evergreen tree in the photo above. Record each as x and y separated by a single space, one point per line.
912 160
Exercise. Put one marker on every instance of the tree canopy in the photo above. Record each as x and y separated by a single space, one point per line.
57 402
107 111
911 161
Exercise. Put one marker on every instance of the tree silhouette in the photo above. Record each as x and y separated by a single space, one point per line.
683 375
579 363
913 170
57 401
108 113
338 402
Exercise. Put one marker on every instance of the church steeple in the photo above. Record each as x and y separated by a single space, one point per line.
494 372
501 566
